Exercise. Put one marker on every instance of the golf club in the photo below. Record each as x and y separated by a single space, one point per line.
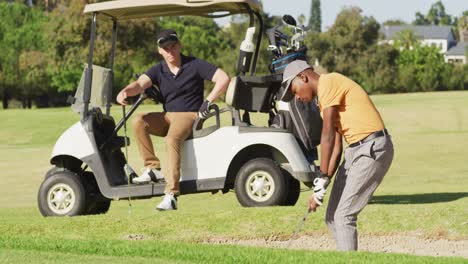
301 223
128 170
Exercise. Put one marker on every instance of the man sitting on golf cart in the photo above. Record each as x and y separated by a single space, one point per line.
181 82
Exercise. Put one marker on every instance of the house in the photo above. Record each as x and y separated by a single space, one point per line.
457 54
438 36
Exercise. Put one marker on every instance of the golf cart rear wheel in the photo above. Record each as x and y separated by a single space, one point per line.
62 194
260 182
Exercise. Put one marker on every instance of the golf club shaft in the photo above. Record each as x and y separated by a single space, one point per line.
126 158
301 223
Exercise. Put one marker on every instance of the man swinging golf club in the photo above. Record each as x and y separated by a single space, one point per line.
180 79
349 112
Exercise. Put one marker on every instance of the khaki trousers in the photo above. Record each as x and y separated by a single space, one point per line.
176 127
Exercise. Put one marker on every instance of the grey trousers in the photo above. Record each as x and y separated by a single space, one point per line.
358 176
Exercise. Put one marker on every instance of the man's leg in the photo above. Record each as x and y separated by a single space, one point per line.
179 129
335 196
144 125
369 165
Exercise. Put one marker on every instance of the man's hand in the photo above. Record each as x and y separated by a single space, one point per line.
204 109
312 204
122 98
135 88
320 189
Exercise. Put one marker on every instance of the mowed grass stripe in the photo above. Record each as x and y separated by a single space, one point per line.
15 256
201 253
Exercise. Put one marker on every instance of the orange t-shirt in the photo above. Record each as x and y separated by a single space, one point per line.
357 115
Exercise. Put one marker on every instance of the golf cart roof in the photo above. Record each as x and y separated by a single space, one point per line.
130 9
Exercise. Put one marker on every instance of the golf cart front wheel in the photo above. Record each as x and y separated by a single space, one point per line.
294 189
260 183
62 194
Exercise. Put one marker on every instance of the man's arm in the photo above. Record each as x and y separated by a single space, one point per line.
330 154
336 155
134 88
329 143
221 80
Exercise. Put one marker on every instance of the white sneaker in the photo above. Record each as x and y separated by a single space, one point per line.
169 202
148 175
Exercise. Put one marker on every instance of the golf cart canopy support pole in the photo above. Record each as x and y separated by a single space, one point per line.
111 67
89 70
259 41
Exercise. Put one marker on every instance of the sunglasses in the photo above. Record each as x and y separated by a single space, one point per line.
171 38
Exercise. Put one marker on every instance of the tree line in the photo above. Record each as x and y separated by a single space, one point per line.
44 45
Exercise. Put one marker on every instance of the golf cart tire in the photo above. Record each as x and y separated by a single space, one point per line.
53 171
96 203
294 189
62 183
263 174
97 207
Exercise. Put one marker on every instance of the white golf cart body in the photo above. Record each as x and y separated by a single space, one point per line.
212 157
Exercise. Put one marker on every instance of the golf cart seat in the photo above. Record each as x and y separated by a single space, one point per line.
253 93
248 93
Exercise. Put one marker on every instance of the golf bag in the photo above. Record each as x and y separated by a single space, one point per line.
278 65
300 118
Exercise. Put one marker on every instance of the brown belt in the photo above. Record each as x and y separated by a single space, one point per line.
370 137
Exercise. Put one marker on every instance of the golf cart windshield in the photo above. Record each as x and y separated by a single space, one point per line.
99 89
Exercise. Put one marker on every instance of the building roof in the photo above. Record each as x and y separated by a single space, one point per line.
458 50
130 9
421 32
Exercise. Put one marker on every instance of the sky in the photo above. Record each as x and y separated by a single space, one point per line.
381 10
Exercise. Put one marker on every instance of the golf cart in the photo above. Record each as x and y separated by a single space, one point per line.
263 165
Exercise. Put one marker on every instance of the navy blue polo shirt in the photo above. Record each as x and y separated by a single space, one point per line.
182 92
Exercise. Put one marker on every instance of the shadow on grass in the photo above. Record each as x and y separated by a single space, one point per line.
420 198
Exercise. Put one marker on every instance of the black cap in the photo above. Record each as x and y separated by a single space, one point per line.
166 37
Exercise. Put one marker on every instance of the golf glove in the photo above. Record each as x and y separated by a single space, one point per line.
204 109
320 188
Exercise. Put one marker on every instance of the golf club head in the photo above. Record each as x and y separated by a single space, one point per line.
288 19
271 33
272 48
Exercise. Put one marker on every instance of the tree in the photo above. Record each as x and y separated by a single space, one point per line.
438 16
406 39
67 36
20 33
301 19
348 38
427 65
435 16
378 70
33 82
453 77
462 24
420 19
394 22
315 19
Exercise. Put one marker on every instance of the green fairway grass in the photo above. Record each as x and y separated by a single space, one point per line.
424 193
170 252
